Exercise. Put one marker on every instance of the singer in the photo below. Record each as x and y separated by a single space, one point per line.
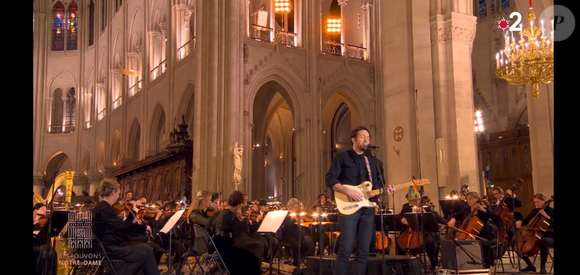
353 167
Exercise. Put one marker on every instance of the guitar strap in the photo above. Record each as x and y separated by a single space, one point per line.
369 169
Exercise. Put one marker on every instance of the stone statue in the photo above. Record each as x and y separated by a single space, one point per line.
238 151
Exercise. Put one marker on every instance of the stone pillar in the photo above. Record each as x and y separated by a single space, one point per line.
94 180
541 120
232 108
80 183
452 34
163 55
342 4
38 185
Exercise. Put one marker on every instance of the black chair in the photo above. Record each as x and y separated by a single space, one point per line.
210 256
109 266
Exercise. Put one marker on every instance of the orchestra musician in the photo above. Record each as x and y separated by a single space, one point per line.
111 230
39 249
203 202
547 239
323 204
237 258
177 239
490 220
432 239
291 230
353 167
271 240
511 201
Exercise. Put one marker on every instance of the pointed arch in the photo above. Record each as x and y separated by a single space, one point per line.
86 164
157 129
354 92
186 106
100 160
116 146
134 149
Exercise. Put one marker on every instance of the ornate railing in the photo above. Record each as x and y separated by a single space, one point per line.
285 38
135 89
186 49
261 33
158 70
351 51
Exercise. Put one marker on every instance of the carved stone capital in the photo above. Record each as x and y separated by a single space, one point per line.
458 28
154 34
342 3
134 55
163 26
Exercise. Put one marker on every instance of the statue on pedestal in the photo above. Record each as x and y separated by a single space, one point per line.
238 151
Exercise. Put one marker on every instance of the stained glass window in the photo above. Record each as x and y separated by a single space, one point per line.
72 26
505 4
71 103
58 27
492 6
482 13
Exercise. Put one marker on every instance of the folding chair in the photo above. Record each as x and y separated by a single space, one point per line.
210 254
110 267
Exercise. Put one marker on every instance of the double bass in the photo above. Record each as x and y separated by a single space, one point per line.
528 243
505 212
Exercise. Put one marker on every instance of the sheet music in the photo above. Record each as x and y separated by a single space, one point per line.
172 221
272 221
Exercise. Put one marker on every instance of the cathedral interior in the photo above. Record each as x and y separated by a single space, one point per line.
172 97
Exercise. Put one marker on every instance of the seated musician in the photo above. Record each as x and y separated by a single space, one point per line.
431 239
40 258
511 201
143 237
235 254
202 202
270 239
177 239
324 204
547 240
111 230
292 233
490 221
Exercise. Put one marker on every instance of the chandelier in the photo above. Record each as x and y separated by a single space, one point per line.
529 60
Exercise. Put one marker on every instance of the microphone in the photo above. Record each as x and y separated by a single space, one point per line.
371 145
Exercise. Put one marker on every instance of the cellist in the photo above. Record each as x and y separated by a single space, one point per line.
547 240
490 221
431 239
511 201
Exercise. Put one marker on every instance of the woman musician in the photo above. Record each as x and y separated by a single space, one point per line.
41 258
291 231
547 240
490 220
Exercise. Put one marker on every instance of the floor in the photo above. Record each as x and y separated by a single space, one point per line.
508 268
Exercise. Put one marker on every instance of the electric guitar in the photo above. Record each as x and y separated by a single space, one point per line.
347 206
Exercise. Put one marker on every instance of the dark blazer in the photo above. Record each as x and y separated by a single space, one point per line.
490 219
550 211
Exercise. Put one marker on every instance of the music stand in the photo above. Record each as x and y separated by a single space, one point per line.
422 222
450 207
58 219
168 228
271 224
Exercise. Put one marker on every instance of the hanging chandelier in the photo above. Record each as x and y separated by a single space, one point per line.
529 60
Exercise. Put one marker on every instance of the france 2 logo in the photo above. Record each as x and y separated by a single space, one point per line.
557 19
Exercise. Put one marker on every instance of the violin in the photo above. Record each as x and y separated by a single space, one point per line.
210 211
43 220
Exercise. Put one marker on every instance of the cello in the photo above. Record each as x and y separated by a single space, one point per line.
470 227
528 243
411 240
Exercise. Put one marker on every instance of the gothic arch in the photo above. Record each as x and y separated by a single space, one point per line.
134 144
54 163
291 86
354 92
61 76
157 129
186 106
86 164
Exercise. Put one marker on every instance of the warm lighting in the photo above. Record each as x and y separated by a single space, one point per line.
282 6
479 128
529 60
333 25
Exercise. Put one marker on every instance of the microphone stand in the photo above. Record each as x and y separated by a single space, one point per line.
382 190
298 180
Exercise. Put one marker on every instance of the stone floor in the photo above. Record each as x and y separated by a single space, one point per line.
509 267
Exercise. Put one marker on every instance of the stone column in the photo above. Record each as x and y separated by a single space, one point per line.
80 183
342 4
452 34
94 179
38 184
541 120
163 54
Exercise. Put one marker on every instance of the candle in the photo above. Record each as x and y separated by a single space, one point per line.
521 28
513 40
542 23
506 40
497 61
552 29
532 28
